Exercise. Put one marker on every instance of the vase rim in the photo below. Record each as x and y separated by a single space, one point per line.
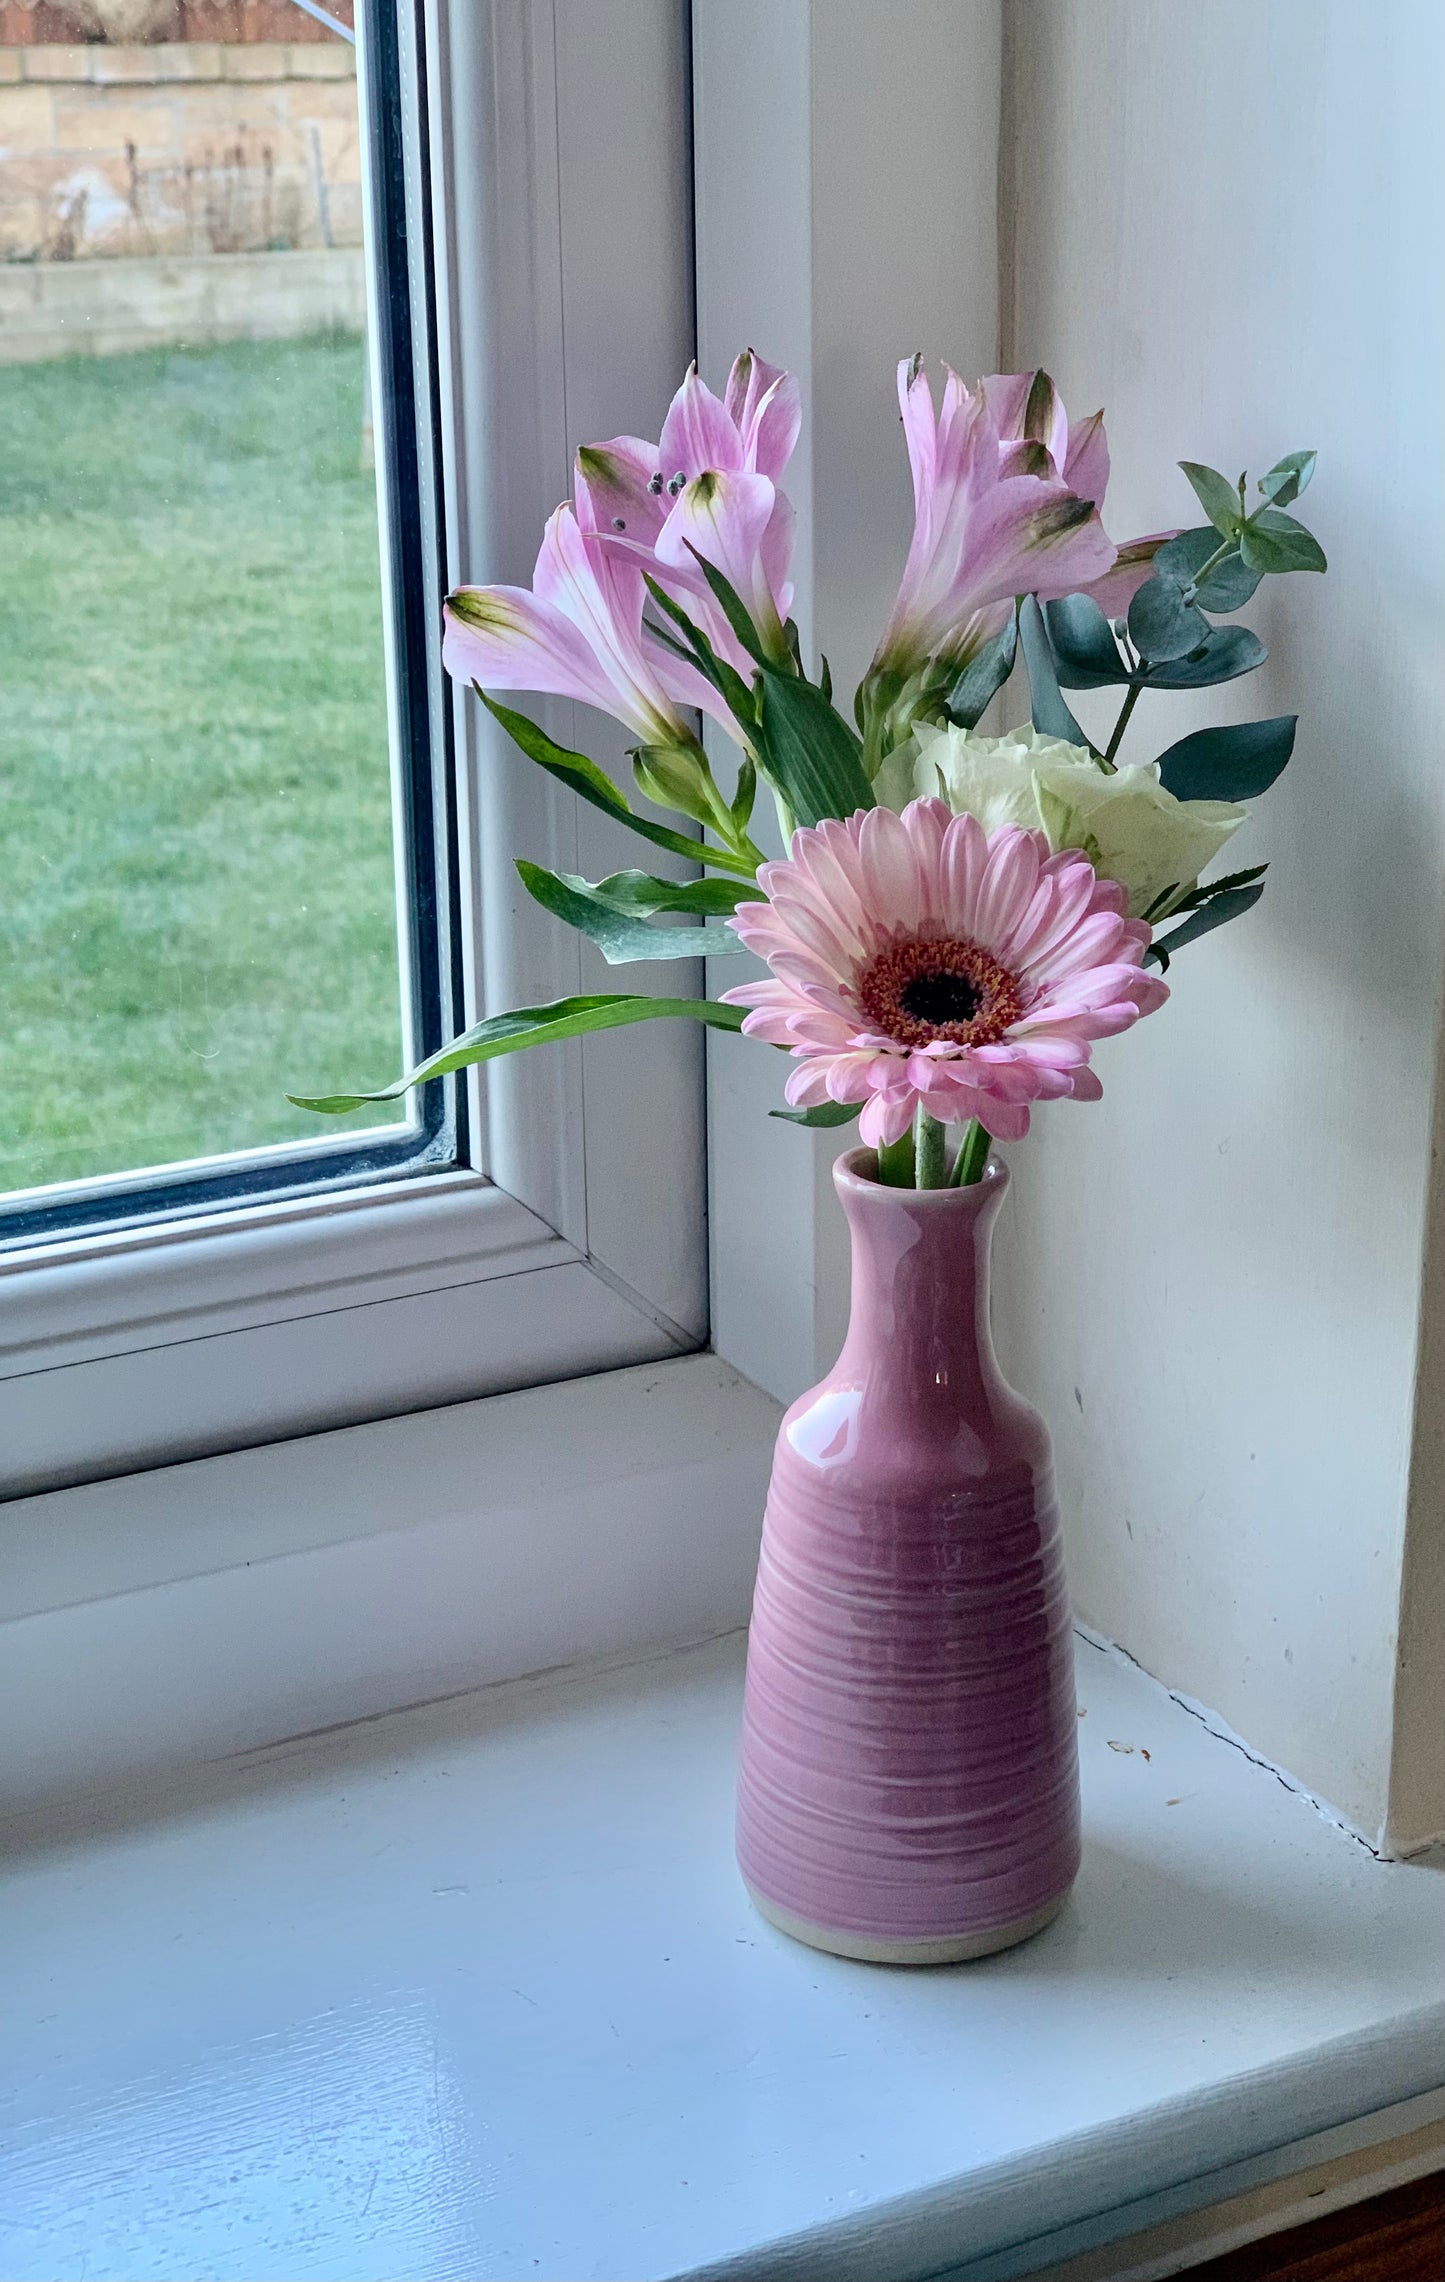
850 1174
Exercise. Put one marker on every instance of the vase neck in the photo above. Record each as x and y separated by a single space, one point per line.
918 1330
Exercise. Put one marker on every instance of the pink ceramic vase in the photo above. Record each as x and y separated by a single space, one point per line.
909 1782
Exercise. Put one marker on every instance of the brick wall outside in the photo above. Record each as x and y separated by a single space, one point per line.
52 23
184 147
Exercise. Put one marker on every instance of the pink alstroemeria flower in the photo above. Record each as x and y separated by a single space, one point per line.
709 487
1036 437
919 961
993 518
577 633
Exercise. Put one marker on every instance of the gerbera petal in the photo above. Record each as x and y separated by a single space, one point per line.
1007 887
890 870
1006 1121
807 1084
965 855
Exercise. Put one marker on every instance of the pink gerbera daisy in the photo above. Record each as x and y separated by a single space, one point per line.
918 960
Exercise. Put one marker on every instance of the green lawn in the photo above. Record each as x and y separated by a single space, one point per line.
198 909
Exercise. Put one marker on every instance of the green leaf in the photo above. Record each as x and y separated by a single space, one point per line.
594 785
1228 764
1217 911
1086 654
808 751
1049 713
638 894
1274 542
822 1113
982 678
1199 895
1288 477
1229 652
1216 495
734 609
745 793
1162 625
532 1026
699 652
620 936
1228 586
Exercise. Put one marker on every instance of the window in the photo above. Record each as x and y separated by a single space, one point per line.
200 787
209 804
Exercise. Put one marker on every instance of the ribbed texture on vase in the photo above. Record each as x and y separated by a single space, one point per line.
909 1762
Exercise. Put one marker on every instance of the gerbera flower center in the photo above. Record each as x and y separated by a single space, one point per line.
954 990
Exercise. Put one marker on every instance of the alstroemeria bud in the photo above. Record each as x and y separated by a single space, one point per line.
677 776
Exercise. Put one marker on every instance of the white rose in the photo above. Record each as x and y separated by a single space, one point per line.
1124 821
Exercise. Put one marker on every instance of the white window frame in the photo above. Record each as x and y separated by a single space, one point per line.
213 1606
573 1241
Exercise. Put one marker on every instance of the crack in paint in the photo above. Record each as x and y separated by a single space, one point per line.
1219 1728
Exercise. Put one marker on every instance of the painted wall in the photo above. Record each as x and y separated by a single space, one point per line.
846 168
1226 227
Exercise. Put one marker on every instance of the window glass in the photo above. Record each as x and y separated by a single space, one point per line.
199 908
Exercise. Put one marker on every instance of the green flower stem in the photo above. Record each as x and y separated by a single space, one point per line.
746 852
1225 547
931 1165
787 821
1121 725
972 1157
895 1162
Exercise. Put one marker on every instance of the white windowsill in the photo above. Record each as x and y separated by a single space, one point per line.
474 1991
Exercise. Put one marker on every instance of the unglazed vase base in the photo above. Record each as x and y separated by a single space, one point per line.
933 1949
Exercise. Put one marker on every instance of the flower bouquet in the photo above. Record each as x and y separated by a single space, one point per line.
957 921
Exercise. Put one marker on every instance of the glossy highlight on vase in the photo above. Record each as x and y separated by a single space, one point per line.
908 1789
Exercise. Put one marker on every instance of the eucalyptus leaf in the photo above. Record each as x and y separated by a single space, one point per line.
1051 717
594 785
1232 903
1162 625
1086 655
1237 763
1216 495
1271 541
532 1026
1228 652
621 937
1229 584
1288 477
808 751
823 1113
982 678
